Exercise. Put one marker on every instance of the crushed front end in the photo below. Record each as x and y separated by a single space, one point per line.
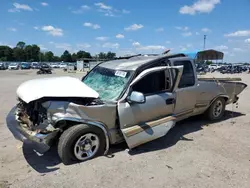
28 123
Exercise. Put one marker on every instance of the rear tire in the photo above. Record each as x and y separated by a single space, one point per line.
216 110
80 143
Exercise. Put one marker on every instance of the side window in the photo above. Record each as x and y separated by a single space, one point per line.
152 83
188 78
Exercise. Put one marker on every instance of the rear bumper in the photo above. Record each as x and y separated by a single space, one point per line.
37 141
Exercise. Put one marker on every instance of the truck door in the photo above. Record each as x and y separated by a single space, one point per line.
187 88
145 111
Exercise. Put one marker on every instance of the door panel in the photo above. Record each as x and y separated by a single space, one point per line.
185 102
141 123
139 134
187 89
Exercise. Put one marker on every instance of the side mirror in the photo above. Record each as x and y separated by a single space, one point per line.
136 97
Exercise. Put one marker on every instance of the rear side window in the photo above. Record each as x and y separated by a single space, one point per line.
188 78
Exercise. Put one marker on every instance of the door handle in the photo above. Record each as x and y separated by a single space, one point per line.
170 101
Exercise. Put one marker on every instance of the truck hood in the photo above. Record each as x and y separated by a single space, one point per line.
54 87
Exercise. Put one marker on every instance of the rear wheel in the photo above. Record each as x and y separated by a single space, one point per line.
216 110
80 143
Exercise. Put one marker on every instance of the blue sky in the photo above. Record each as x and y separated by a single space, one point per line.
128 27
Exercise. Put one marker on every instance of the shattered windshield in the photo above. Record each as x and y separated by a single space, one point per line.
108 83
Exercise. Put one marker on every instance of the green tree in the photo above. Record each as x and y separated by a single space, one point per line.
74 57
20 45
18 54
49 56
102 55
66 56
110 55
6 53
28 53
32 52
82 54
56 59
41 57
35 52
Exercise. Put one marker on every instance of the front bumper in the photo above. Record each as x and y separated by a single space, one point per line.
37 141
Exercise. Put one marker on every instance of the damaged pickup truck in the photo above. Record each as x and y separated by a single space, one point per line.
135 99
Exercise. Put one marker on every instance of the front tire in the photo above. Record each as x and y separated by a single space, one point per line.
80 143
217 109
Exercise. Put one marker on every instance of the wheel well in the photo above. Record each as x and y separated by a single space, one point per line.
65 124
224 97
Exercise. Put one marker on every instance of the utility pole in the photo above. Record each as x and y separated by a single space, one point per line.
205 37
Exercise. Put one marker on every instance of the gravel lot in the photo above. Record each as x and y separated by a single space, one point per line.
195 153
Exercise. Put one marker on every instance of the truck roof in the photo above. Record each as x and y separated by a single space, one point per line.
134 62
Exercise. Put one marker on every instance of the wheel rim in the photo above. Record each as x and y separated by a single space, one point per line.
86 146
218 107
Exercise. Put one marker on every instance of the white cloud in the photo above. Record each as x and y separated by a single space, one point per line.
111 45
168 42
140 47
103 6
119 36
134 27
12 29
182 28
200 6
44 4
160 29
101 38
84 45
81 10
5 44
36 27
125 52
91 25
221 47
18 7
85 7
238 50
42 47
109 10
240 33
206 30
64 46
197 33
183 49
125 11
247 41
151 47
136 44
187 34
52 30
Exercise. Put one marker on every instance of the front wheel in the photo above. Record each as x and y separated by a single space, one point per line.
80 143
216 110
